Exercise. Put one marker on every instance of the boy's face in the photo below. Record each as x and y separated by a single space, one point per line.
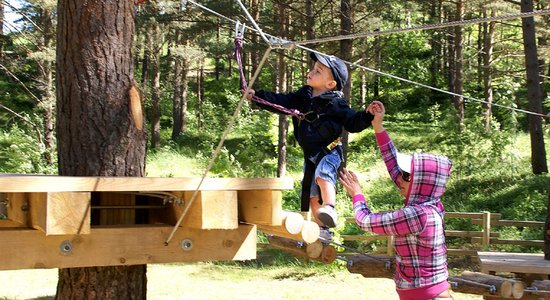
320 78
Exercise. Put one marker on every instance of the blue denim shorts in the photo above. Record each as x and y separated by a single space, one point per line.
327 169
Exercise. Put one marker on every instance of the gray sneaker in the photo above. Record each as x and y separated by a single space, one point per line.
327 215
325 235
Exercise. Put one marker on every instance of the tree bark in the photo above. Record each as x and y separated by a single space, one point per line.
489 33
1 29
547 228
458 70
534 90
346 53
45 83
99 122
281 88
179 98
156 49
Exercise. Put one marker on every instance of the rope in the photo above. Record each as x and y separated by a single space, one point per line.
541 12
238 57
285 42
218 148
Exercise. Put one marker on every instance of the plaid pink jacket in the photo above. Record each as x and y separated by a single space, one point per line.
421 253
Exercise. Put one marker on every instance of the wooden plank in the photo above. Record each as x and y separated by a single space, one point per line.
459 233
530 263
464 215
497 241
60 213
263 207
534 224
51 183
116 246
366 238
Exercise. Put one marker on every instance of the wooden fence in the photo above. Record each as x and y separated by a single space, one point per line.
482 238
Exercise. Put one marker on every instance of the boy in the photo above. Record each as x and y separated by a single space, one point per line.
421 254
326 113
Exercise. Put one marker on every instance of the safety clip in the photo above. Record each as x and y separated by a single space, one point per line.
239 30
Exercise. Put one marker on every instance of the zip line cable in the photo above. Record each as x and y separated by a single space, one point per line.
220 144
282 43
541 12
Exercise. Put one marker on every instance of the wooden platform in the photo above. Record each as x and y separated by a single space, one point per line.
66 221
522 263
46 183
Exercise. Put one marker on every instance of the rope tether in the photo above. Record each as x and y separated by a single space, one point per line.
244 87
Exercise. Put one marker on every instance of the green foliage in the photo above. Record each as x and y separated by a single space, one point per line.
19 153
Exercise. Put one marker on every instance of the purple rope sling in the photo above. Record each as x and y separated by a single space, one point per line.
238 57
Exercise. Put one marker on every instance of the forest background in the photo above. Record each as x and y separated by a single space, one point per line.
185 69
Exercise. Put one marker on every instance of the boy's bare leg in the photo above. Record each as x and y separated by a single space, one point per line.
314 204
326 214
328 192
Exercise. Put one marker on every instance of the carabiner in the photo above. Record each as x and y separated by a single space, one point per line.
239 30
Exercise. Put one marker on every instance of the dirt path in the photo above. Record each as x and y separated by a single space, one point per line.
208 281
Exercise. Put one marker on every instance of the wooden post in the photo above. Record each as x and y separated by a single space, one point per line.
389 245
486 228
371 267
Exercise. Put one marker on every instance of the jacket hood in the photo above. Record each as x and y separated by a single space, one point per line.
429 176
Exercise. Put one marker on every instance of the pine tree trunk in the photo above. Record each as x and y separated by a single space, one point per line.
176 97
45 85
99 123
281 88
200 93
459 66
534 90
1 29
155 85
346 53
547 228
489 34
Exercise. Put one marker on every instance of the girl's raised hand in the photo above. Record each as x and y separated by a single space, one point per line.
350 182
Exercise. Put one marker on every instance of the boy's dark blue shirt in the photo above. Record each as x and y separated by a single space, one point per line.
326 116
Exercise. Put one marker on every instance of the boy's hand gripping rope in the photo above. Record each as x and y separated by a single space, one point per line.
239 32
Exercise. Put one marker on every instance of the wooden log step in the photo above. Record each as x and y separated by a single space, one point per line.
370 266
486 285
309 233
316 251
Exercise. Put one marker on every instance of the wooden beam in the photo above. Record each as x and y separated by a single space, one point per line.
116 246
60 213
263 207
211 210
52 183
52 213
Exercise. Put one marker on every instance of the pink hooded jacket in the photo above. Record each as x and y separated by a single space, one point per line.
421 253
